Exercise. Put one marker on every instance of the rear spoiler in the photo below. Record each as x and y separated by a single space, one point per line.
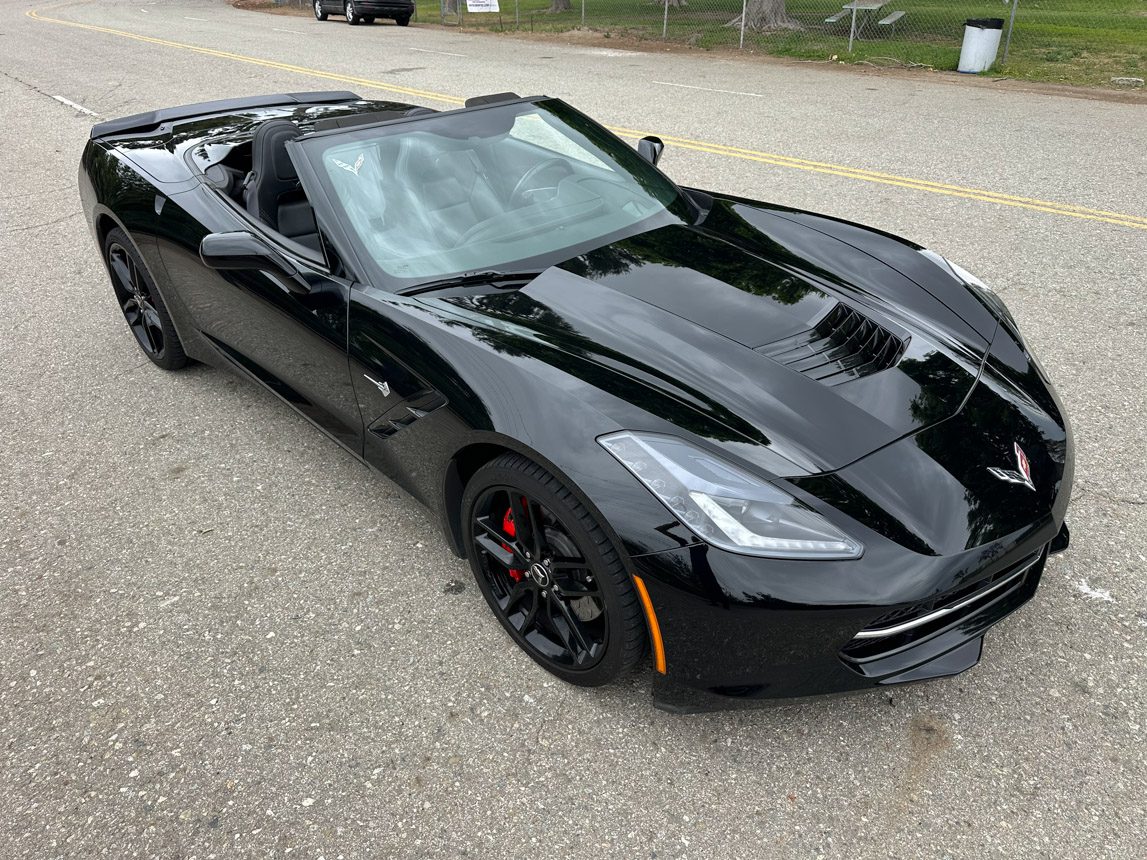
153 119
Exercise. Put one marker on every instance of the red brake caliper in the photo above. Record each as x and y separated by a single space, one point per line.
509 528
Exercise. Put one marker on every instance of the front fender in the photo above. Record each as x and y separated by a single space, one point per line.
438 390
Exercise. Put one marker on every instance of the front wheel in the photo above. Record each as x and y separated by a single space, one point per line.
351 13
319 13
550 573
401 22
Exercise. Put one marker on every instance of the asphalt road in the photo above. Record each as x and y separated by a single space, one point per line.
220 636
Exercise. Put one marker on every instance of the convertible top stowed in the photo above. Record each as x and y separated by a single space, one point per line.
151 120
787 454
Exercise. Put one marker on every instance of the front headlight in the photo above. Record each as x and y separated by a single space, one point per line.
986 294
724 505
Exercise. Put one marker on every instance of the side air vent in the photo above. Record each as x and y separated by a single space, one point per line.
418 405
842 346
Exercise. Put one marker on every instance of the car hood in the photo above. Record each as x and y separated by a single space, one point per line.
787 337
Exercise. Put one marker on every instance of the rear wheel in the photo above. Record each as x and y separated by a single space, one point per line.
550 573
401 22
140 302
351 13
319 13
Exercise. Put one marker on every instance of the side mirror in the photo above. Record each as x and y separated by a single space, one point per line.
650 148
242 250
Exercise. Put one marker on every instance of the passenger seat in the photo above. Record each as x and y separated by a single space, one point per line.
271 191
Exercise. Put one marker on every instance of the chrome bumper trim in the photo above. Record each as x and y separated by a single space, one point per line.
947 610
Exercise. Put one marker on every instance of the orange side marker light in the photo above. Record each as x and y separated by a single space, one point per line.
654 627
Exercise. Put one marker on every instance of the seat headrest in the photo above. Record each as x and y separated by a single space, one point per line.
271 142
272 173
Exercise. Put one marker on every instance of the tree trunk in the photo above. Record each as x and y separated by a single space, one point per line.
764 15
560 6
450 7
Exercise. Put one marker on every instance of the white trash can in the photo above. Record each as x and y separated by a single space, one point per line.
981 42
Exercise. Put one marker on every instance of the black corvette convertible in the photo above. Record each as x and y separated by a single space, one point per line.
780 453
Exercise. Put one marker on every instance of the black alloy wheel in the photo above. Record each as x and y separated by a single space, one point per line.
550 573
351 13
319 13
141 304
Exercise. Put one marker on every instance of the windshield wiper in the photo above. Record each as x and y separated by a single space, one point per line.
466 279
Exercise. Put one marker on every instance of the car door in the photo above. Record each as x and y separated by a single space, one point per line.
287 331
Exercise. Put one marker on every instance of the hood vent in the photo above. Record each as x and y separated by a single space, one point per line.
841 347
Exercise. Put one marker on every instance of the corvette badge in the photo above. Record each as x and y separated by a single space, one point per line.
1023 474
353 168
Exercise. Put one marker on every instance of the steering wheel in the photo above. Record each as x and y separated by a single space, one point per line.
523 186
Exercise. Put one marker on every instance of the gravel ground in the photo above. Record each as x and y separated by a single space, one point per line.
220 636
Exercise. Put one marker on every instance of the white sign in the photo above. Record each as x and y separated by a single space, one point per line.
482 6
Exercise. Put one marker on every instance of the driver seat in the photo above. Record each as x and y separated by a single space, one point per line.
271 191
451 188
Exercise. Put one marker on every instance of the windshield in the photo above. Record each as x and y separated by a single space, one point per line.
513 186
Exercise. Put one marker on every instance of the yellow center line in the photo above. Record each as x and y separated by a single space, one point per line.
1137 222
242 58
892 179
1048 206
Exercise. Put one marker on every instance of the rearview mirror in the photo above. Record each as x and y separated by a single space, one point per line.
242 250
650 148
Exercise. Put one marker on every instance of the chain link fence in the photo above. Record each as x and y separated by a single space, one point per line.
1074 41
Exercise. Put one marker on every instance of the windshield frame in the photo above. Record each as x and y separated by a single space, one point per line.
306 154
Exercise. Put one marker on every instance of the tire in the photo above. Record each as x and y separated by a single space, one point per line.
402 22
352 17
369 19
579 619
319 13
141 303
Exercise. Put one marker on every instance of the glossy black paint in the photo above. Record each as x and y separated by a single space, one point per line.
243 250
664 331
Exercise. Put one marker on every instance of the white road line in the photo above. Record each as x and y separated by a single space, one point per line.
710 89
443 53
292 32
75 106
189 18
144 11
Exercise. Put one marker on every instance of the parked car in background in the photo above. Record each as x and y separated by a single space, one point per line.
366 11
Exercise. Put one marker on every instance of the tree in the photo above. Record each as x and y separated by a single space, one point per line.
764 15
560 6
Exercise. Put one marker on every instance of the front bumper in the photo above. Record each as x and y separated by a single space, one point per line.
737 632
950 550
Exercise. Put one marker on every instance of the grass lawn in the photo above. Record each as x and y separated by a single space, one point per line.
1066 41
